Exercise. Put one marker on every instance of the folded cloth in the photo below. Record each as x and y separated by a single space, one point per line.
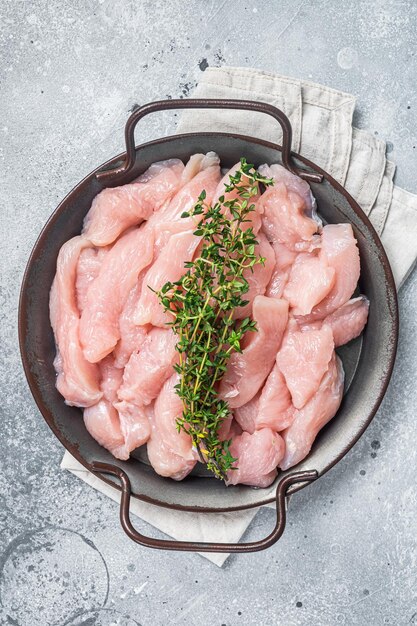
242 84
354 157
366 168
321 119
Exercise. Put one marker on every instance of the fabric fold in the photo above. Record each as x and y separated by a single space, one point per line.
399 234
246 84
327 113
379 210
366 168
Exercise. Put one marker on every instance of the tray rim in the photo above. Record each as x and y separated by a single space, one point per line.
394 321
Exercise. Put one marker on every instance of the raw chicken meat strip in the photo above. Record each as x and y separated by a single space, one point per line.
285 211
198 163
99 326
115 209
348 321
148 369
102 419
275 409
247 371
88 267
303 359
292 182
168 407
131 335
183 201
246 414
202 172
165 462
206 177
159 168
284 258
102 422
313 245
299 437
339 251
309 281
258 277
229 428
169 266
78 380
270 408
258 456
110 378
164 230
134 424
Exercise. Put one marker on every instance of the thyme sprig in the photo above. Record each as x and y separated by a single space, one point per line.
202 303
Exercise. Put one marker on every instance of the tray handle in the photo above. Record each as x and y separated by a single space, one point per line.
203 103
198 546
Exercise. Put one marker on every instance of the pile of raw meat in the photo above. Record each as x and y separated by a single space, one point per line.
115 353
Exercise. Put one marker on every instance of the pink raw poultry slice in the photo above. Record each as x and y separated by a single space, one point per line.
165 462
169 266
348 321
339 251
148 369
229 428
247 371
270 408
286 212
159 168
303 359
88 267
275 408
99 326
131 335
110 378
258 277
134 425
309 281
198 163
313 245
183 201
299 437
292 182
115 209
164 230
168 407
284 258
258 456
245 415
78 380
102 422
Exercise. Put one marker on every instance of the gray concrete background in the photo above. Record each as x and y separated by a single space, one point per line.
70 73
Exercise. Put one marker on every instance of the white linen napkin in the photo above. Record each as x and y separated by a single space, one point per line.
321 119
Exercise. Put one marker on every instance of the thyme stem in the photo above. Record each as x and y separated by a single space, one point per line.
202 304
